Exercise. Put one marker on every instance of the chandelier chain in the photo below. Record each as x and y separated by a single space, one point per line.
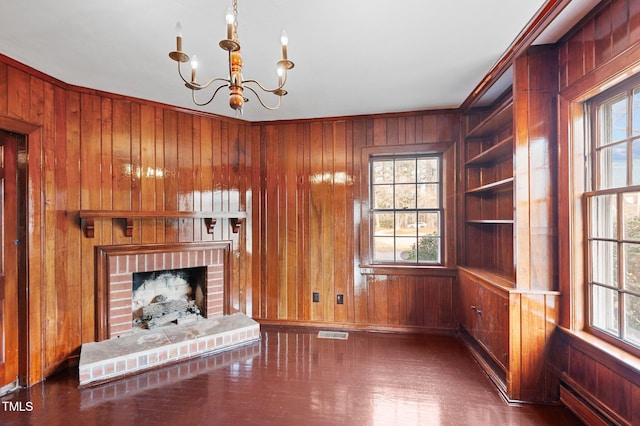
235 15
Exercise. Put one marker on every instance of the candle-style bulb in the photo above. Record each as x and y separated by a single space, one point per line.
284 40
194 65
178 29
230 17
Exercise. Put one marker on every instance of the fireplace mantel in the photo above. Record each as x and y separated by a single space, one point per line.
89 216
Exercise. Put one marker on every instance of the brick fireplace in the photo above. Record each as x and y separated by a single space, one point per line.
117 264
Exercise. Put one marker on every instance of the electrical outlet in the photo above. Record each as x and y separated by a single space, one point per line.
340 300
316 296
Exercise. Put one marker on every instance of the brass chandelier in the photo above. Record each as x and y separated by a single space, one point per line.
235 82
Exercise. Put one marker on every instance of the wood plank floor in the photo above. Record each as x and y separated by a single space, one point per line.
292 378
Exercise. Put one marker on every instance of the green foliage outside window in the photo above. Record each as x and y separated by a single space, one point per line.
427 250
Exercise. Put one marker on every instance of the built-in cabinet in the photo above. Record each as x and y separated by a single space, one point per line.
507 273
486 317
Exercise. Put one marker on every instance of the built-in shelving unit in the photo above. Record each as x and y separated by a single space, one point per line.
508 304
488 191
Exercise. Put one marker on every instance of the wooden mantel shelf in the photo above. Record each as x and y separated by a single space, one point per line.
89 216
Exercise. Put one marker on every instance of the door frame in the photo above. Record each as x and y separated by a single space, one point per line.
30 357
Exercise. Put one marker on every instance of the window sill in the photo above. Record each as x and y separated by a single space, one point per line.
619 360
402 269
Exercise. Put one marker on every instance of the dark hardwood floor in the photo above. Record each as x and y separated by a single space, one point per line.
292 378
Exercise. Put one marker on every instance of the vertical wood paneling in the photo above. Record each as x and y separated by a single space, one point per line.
4 89
18 99
107 168
72 198
313 189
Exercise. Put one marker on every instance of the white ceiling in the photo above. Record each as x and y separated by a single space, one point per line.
352 56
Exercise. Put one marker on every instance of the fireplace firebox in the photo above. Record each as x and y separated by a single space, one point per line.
121 267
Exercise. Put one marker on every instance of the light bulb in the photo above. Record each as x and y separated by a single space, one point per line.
178 29
194 65
230 17
280 71
284 40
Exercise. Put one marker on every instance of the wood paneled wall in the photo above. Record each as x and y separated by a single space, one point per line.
90 150
309 227
604 50
298 183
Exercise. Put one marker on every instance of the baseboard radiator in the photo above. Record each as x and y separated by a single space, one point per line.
586 406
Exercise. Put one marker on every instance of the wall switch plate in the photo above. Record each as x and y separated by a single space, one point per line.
340 299
316 296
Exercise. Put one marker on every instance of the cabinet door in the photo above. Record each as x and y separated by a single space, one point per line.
468 304
493 324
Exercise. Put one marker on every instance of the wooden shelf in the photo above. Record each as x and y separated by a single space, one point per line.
502 149
501 185
491 222
89 216
501 117
490 277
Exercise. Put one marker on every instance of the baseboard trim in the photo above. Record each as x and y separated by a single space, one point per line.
586 406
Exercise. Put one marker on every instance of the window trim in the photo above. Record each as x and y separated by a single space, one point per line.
448 192
416 210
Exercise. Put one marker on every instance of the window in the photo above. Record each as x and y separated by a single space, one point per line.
613 216
406 209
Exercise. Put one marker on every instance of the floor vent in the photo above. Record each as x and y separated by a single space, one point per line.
339 335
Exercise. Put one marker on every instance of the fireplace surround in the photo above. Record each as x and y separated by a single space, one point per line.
116 264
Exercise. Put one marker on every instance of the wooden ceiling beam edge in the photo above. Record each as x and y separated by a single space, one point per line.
521 43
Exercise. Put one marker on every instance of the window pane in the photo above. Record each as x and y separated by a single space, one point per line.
382 171
404 247
406 171
429 223
406 224
604 263
405 196
614 121
383 224
632 318
428 196
613 166
428 170
429 249
604 309
383 197
631 215
636 113
383 249
631 266
604 217
635 163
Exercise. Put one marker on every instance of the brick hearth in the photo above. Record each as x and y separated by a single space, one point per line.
115 358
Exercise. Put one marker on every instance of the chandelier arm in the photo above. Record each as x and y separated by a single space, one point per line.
213 80
200 86
193 96
260 99
284 81
180 73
